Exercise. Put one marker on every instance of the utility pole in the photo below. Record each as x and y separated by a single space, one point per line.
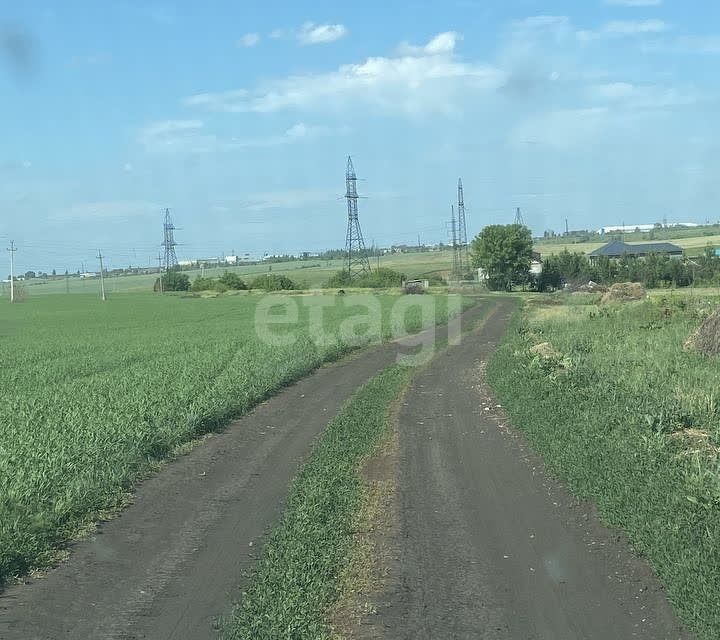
102 277
12 251
160 260
455 246
567 229
462 230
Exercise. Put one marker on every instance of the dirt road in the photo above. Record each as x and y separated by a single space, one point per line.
486 545
174 560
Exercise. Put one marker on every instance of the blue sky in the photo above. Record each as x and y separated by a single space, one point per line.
239 116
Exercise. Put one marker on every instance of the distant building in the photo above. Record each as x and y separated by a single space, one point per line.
617 249
231 259
536 264
627 228
644 228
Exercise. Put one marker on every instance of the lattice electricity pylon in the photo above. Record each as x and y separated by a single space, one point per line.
169 242
518 217
456 266
462 230
357 263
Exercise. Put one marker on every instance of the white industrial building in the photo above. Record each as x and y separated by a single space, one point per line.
643 228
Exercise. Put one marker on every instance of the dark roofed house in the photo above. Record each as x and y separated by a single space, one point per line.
618 249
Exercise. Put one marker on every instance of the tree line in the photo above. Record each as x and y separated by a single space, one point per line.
504 253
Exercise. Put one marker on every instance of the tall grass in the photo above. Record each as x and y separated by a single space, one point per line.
298 577
631 421
91 395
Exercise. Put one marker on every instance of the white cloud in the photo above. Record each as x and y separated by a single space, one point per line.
276 34
559 27
311 33
624 28
190 136
177 135
541 22
691 44
634 3
442 43
119 210
249 40
302 130
612 90
172 126
127 167
641 96
421 80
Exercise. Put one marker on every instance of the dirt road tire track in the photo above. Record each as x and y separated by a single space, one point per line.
175 559
486 545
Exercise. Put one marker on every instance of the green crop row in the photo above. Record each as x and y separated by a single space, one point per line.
92 395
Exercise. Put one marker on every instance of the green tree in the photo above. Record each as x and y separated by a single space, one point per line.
273 282
204 284
504 252
232 281
174 281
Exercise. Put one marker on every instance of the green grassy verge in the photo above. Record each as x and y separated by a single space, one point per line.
630 421
298 577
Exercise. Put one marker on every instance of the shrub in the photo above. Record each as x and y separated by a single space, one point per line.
436 281
232 281
204 284
174 281
381 278
273 282
339 279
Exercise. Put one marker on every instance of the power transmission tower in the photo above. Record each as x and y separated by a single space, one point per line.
518 217
12 249
357 258
456 268
169 242
462 230
102 277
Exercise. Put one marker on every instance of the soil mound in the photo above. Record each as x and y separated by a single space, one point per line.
706 339
624 292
